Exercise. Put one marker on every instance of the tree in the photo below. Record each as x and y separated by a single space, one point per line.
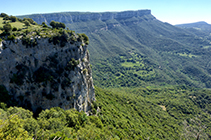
57 24
14 29
12 128
31 21
61 25
26 22
7 27
44 24
3 15
53 24
13 18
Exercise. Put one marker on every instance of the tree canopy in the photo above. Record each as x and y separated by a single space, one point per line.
57 25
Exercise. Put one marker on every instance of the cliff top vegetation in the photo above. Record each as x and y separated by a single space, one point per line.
26 29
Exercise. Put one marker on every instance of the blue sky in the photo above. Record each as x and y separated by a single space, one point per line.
171 11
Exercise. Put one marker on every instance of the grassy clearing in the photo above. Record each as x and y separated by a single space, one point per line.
1 22
19 25
207 47
130 64
187 55
16 24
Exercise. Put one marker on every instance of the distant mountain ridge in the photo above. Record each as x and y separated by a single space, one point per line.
71 17
203 26
133 48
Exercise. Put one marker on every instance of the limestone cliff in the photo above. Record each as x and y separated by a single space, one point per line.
71 17
47 75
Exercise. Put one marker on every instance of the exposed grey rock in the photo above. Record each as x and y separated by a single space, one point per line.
43 76
70 17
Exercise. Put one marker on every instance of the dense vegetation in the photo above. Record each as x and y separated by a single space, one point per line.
123 113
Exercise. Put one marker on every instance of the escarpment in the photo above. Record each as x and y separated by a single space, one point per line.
47 74
71 17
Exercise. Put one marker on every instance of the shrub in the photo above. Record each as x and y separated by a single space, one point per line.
29 42
57 24
72 64
85 38
7 27
3 15
44 24
31 21
6 18
26 23
53 24
62 38
11 37
13 18
14 29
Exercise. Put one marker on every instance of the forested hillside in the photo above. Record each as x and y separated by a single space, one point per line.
120 113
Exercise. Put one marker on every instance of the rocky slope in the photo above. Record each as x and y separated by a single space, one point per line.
47 75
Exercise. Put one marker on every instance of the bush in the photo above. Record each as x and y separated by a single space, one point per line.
57 24
11 37
28 42
7 27
14 29
31 21
85 38
13 18
6 18
44 24
4 15
26 23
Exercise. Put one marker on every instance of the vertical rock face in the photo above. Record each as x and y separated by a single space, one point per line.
47 75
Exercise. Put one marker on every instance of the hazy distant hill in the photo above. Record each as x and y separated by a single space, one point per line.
133 48
200 26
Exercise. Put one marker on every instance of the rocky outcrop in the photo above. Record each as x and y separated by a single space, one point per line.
71 17
47 75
